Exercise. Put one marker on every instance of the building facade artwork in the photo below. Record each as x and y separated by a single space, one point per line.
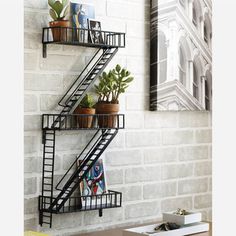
181 55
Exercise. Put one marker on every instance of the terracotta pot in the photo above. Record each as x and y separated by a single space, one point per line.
59 33
86 118
109 119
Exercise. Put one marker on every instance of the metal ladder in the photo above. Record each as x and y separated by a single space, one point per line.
79 88
100 143
47 178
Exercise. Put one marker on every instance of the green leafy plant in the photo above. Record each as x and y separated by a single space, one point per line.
59 9
87 101
112 84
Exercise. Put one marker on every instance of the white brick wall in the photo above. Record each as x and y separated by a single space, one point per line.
161 161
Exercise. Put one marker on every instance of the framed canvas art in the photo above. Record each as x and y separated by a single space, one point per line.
95 31
180 55
79 15
94 184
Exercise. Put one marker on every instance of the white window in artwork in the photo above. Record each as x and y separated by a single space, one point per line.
162 57
207 97
208 91
195 82
182 66
205 33
195 22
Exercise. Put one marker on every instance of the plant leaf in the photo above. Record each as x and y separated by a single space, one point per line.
127 73
64 3
122 90
66 11
87 101
57 6
104 74
128 80
50 3
53 14
118 68
123 72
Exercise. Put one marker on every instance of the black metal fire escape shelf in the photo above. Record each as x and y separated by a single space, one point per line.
65 197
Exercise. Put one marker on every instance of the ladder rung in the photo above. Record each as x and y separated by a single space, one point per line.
65 110
49 132
49 152
46 223
49 139
48 165
72 101
47 184
78 93
46 203
47 177
48 171
49 146
86 84
92 76
51 159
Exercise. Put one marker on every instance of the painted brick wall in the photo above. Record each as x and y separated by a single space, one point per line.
161 161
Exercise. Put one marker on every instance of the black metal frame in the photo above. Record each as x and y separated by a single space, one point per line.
70 122
112 199
110 39
106 127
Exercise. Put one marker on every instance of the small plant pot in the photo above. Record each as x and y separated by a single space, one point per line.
59 32
85 120
107 114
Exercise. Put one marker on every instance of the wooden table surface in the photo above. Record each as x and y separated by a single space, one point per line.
119 232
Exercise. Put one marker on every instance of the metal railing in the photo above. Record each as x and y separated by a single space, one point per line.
111 199
83 121
86 37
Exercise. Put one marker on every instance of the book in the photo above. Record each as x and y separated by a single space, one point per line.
79 15
93 185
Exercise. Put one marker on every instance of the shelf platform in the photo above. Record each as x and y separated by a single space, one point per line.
112 199
83 121
82 37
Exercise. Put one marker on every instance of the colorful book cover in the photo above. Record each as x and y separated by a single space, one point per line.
94 182
79 16
80 13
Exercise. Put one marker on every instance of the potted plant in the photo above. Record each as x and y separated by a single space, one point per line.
58 11
110 86
86 111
